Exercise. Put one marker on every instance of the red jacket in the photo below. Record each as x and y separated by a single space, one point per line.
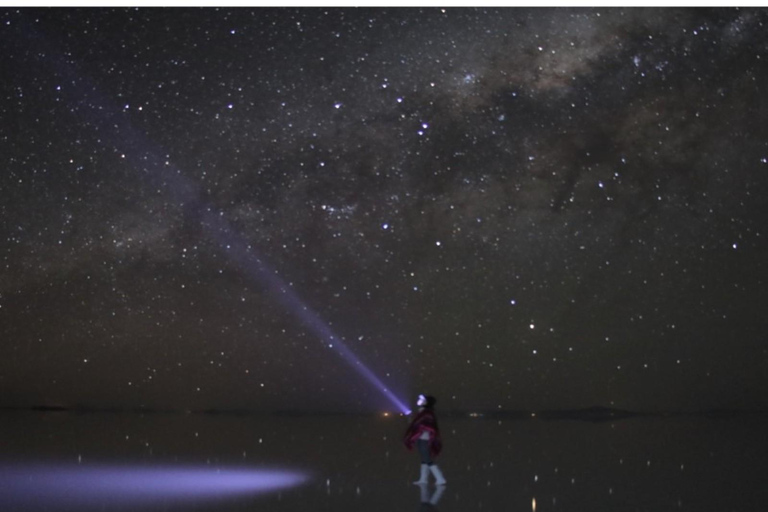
425 421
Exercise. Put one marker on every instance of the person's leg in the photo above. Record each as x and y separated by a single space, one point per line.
423 446
439 478
426 460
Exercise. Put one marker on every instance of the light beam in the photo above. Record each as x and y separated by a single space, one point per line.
243 255
145 156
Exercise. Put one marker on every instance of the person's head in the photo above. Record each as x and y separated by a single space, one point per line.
426 401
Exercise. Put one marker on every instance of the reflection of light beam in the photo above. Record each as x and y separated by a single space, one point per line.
61 485
115 128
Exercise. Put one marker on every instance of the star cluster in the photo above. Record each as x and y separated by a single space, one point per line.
511 208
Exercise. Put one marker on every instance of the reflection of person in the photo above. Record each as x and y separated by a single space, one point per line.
425 434
429 503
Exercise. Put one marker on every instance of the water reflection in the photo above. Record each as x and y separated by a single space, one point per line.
357 463
65 486
430 497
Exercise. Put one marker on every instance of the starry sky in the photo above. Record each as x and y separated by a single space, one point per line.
508 208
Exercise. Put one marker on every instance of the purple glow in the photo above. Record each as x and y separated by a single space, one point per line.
65 485
146 157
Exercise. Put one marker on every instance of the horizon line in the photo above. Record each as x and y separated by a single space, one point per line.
596 411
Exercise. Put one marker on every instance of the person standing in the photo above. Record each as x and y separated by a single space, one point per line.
424 433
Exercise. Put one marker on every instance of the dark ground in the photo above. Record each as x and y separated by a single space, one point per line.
706 464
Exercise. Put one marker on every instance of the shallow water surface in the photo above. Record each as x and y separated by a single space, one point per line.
59 461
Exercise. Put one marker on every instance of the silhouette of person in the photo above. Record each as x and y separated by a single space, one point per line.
424 433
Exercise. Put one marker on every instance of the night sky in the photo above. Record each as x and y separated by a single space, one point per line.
507 208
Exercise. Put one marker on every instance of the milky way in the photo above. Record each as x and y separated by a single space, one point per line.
506 208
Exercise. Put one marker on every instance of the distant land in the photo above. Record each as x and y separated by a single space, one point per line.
594 414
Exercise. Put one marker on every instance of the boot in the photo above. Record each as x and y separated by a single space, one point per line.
424 475
439 478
